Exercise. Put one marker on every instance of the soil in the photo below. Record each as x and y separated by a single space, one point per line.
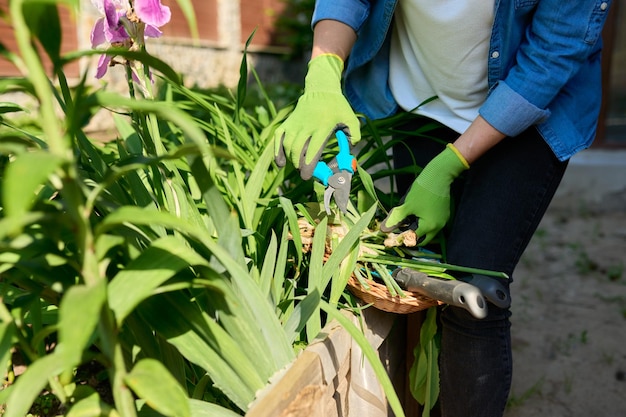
569 313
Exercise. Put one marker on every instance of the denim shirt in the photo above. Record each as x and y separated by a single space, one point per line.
544 66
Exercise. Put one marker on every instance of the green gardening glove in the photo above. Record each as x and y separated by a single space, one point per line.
429 196
321 111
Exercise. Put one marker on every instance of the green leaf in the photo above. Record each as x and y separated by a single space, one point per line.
42 18
151 61
206 409
341 277
91 406
252 298
424 374
345 246
368 183
225 222
23 178
79 314
186 6
269 264
5 393
29 385
165 110
315 283
198 409
7 333
10 108
281 267
254 185
302 314
158 263
292 218
151 381
242 87
203 342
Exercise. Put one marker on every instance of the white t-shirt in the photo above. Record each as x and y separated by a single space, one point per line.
439 48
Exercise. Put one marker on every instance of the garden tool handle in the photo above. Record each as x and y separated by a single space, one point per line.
322 172
494 290
345 160
452 292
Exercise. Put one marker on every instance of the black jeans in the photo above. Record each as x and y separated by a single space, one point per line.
498 204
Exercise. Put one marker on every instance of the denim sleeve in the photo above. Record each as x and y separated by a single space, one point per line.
559 39
351 12
509 112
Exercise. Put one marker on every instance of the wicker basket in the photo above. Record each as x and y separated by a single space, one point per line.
378 295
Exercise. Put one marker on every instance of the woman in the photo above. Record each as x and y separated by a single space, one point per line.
518 93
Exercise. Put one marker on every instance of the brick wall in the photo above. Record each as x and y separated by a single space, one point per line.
206 12
261 15
219 21
213 59
69 41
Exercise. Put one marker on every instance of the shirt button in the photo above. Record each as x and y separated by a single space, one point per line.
604 6
495 54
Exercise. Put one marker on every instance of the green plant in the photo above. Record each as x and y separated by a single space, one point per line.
161 256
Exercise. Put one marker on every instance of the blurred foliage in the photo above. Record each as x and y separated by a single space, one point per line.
294 27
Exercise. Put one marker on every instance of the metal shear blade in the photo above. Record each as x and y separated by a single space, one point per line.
338 187
336 175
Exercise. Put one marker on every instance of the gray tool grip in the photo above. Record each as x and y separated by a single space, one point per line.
494 291
452 292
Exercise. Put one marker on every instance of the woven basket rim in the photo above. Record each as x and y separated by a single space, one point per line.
379 296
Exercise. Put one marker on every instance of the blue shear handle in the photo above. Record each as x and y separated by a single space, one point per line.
344 157
322 172
344 160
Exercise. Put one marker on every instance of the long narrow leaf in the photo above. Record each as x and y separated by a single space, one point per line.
186 6
342 275
79 313
254 185
345 246
281 267
158 263
269 265
424 375
226 224
91 406
205 344
150 380
22 179
292 218
302 313
206 409
248 289
7 333
29 385
315 283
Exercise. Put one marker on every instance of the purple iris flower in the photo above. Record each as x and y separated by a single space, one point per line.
126 24
152 12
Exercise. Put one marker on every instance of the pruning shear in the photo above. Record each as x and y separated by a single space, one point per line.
336 175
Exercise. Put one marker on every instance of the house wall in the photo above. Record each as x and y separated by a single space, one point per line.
210 60
69 43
